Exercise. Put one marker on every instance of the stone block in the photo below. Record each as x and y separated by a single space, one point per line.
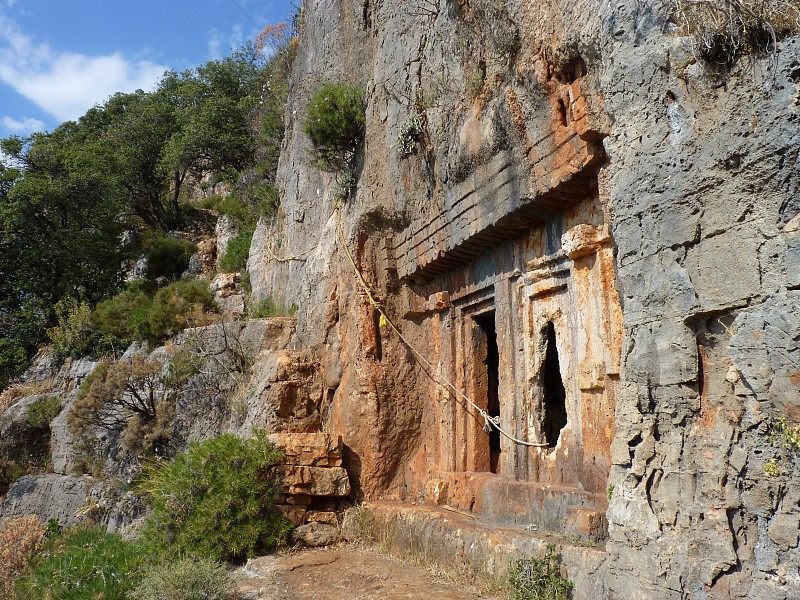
296 515
315 535
309 449
313 481
328 518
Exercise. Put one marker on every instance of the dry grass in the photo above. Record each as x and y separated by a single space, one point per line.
724 30
20 538
14 392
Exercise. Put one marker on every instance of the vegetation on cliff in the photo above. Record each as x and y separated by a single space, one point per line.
78 203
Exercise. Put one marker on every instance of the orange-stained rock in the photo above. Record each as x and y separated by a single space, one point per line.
313 481
309 449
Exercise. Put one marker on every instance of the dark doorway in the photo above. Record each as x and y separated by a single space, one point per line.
487 324
555 396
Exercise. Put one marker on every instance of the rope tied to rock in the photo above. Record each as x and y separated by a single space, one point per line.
489 421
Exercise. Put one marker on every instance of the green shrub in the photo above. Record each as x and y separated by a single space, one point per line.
84 563
335 123
166 256
123 318
216 499
42 411
177 306
75 335
268 307
539 579
235 257
185 579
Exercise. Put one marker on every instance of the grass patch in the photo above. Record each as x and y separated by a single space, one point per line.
724 30
269 307
84 563
20 539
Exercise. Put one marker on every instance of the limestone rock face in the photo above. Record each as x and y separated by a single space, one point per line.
606 214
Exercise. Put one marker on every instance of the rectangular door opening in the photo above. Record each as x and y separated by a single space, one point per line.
491 401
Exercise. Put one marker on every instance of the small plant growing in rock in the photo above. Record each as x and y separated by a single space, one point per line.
335 122
539 578
784 435
771 467
410 135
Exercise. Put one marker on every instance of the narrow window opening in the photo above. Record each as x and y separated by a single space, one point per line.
555 396
562 113
487 323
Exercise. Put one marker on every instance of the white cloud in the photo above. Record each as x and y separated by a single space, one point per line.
66 84
25 127
220 44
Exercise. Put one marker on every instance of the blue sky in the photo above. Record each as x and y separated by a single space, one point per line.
59 58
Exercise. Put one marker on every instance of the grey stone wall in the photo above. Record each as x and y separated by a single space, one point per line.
700 185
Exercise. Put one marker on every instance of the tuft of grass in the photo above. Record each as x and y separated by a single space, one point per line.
84 563
20 539
539 578
269 307
189 578
724 30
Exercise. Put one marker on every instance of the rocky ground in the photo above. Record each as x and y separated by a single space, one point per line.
348 572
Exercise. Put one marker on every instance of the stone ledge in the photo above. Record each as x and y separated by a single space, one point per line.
448 539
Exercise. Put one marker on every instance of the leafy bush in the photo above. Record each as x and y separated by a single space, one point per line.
177 306
166 256
75 334
539 578
84 563
20 538
185 579
123 318
216 499
335 123
268 307
42 411
235 257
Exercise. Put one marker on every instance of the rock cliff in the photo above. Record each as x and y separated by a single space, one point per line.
595 238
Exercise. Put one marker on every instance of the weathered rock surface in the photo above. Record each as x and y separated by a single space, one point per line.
315 534
596 177
310 449
68 500
314 481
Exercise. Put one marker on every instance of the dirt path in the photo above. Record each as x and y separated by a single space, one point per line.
346 572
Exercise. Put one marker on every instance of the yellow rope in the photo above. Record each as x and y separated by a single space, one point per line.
289 258
488 420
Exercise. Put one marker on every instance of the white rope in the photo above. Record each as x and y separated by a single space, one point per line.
489 422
